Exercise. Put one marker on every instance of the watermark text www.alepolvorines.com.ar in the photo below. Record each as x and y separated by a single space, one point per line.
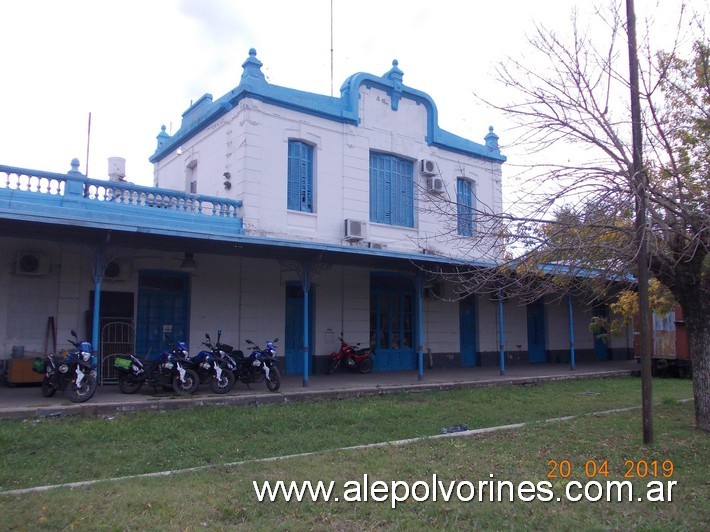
434 489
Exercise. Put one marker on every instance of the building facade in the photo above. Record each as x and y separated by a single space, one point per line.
281 213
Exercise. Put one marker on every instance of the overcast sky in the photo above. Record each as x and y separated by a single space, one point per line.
137 64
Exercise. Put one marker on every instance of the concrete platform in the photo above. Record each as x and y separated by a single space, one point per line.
27 401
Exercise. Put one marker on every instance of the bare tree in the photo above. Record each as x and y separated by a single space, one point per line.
573 229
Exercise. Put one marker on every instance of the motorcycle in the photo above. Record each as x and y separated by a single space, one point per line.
74 372
259 366
212 365
172 370
353 357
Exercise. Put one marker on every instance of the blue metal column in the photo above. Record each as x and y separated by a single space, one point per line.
501 336
98 276
306 323
420 329
571 332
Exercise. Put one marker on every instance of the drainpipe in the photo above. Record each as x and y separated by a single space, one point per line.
306 324
501 336
98 276
571 333
420 332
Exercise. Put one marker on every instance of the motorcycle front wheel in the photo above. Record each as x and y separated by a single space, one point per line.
365 365
224 384
129 385
188 385
83 392
273 383
48 389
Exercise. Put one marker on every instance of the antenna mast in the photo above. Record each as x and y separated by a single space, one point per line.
88 142
331 47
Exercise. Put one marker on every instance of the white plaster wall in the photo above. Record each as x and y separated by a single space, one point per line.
441 326
251 143
557 324
515 326
27 300
329 305
262 303
356 308
557 317
488 330
215 300
583 337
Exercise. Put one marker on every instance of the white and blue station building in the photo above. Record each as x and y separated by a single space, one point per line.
281 213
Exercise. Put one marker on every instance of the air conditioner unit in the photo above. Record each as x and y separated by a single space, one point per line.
435 185
355 230
427 167
117 270
377 245
32 264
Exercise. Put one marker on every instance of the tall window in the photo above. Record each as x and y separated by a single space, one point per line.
465 197
300 176
391 190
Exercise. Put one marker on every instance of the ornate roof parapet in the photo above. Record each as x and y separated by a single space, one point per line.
492 140
344 109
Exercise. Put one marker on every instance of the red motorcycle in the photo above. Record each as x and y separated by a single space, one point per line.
353 357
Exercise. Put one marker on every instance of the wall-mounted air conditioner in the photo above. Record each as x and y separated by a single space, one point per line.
117 270
427 167
355 230
376 245
32 264
435 185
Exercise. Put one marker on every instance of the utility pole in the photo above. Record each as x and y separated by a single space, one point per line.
640 186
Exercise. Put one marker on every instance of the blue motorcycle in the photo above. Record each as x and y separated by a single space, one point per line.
74 372
213 366
259 365
171 370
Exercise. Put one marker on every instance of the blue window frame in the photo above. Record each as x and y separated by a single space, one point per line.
391 190
300 176
465 203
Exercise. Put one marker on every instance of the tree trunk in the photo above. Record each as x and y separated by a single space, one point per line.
696 312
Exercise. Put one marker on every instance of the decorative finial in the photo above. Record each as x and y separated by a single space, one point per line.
75 167
252 68
162 137
492 140
394 73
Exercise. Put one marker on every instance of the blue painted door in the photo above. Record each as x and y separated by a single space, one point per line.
293 343
392 324
163 309
467 327
536 332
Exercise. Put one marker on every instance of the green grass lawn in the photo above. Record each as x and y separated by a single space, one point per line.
49 451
